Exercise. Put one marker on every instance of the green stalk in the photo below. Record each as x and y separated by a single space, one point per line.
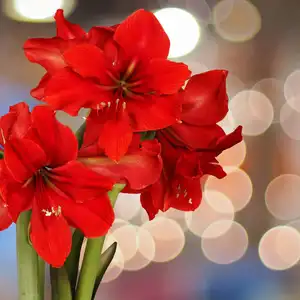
92 258
30 267
60 285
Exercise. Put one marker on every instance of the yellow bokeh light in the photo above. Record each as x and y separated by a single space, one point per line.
145 252
292 90
177 22
279 248
253 110
127 206
225 248
215 206
282 197
290 121
237 186
36 10
236 20
168 236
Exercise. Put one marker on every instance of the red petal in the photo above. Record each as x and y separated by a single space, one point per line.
228 141
93 217
189 197
196 137
94 125
205 98
78 182
39 91
89 61
16 123
50 233
188 165
99 35
65 29
23 158
57 140
140 168
153 198
142 35
167 77
47 52
69 92
116 137
5 218
154 112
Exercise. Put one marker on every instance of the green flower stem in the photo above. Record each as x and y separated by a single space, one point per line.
60 285
92 258
30 267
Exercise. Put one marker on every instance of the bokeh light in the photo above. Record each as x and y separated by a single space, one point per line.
253 110
37 10
125 236
292 90
236 20
145 252
274 89
234 156
182 28
227 247
237 186
290 121
234 85
279 248
127 206
215 206
282 197
168 236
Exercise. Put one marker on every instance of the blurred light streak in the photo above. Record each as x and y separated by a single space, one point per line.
236 20
292 90
290 121
228 247
182 28
279 248
274 89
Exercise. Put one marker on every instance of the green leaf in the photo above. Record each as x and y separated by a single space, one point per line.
60 284
72 262
105 261
80 134
1 154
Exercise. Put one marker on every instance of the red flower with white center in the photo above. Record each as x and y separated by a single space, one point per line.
41 173
129 82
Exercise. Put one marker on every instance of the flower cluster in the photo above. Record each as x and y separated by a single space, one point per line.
151 126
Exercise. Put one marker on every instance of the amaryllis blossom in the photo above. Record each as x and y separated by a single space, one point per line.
189 149
40 172
48 52
138 168
129 81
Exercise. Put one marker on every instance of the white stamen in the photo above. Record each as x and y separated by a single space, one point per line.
108 104
124 105
177 195
53 211
190 200
184 193
3 137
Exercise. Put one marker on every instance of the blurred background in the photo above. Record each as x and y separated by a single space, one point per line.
243 243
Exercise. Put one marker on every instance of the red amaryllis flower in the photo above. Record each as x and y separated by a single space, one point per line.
204 104
138 168
179 185
48 52
129 82
41 173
